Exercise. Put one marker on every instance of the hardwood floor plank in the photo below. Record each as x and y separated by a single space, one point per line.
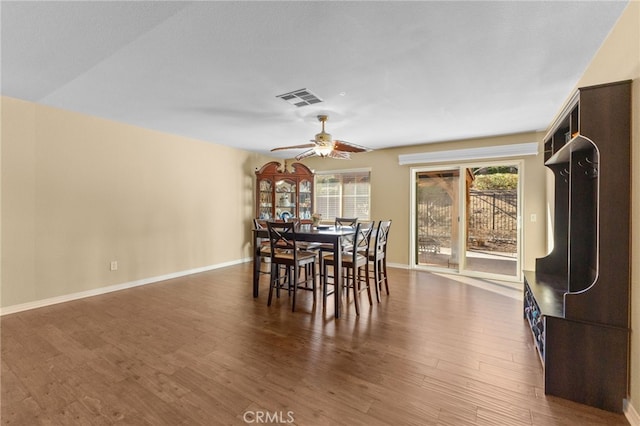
489 417
519 414
76 413
211 389
411 414
455 418
200 350
23 409
427 396
558 411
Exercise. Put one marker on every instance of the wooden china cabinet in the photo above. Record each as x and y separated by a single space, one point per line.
282 192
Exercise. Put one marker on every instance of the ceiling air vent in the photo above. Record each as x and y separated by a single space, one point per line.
300 98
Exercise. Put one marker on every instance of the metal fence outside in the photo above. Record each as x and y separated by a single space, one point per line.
492 219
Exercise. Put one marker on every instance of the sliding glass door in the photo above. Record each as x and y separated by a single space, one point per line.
492 220
436 218
466 220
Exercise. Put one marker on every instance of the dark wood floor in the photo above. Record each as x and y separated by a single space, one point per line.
200 350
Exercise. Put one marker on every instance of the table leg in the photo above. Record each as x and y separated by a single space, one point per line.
256 266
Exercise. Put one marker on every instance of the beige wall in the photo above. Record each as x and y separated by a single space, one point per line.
79 192
390 190
619 59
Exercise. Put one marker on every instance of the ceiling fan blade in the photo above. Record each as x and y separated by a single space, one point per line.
348 147
339 155
305 154
306 145
324 146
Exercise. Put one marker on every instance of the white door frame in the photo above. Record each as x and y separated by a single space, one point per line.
462 243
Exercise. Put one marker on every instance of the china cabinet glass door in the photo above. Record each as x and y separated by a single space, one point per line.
305 200
285 198
266 199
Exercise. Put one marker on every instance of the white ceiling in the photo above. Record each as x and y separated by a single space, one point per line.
389 73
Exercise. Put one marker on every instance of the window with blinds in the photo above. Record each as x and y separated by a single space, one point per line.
343 194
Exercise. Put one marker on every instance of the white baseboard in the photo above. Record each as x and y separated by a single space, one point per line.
103 290
630 413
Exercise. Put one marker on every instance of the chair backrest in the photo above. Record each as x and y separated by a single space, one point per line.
382 236
373 235
346 221
282 237
342 222
362 239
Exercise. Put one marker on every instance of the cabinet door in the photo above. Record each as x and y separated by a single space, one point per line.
285 198
305 205
265 199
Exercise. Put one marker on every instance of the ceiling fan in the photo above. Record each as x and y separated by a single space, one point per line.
324 146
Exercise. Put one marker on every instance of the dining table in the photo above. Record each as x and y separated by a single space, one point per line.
309 233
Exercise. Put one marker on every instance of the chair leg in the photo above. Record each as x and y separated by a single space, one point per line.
351 277
313 284
289 280
295 288
321 261
273 280
323 276
278 278
350 281
366 280
386 281
376 278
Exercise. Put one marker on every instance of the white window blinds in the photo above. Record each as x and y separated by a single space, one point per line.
343 194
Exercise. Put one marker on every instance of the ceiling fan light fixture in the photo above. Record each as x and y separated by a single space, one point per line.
324 138
323 150
324 146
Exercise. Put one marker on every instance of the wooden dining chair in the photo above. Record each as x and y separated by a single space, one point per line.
346 242
378 257
286 252
355 261
305 245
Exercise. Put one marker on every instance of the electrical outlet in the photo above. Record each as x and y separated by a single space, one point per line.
533 217
114 265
